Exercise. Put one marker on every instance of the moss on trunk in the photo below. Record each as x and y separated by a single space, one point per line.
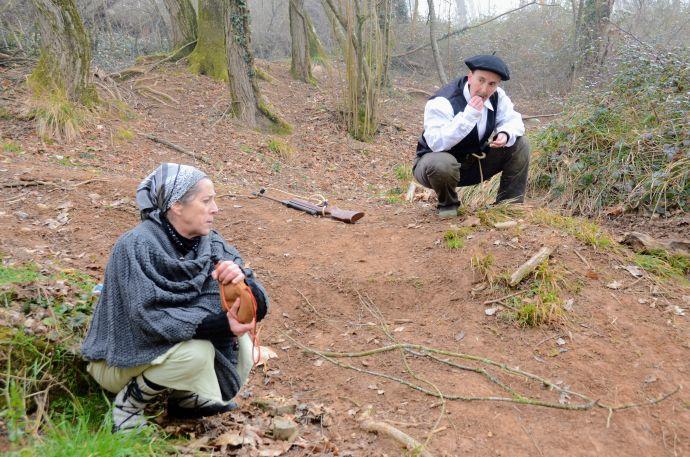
209 56
300 67
183 26
59 82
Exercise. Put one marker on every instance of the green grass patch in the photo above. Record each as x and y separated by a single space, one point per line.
586 231
455 238
483 266
663 264
393 196
500 213
11 146
81 427
5 114
281 149
542 303
10 274
124 134
403 172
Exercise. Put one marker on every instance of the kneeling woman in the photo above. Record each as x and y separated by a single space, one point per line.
158 325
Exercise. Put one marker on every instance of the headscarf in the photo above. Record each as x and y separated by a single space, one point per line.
163 187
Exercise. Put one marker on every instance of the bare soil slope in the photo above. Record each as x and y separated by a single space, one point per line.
388 278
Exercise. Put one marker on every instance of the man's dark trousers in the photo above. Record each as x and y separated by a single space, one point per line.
441 172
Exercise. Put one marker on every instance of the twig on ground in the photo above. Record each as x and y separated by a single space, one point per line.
582 258
498 300
535 116
175 147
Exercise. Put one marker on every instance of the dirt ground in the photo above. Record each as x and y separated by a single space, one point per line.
337 287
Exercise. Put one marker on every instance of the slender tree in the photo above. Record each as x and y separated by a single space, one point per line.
299 32
183 26
209 55
60 80
365 43
434 44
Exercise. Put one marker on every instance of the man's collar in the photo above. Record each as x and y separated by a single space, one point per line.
466 93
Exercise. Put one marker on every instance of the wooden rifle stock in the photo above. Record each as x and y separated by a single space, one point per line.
333 212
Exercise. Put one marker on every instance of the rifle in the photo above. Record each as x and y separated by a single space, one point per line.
316 210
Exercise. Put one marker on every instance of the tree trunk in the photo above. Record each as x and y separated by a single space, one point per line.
301 60
246 100
182 25
434 45
461 7
209 55
63 67
592 33
400 12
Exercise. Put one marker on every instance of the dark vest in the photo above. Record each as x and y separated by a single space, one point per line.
471 143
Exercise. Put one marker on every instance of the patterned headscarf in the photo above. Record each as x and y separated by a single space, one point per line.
164 186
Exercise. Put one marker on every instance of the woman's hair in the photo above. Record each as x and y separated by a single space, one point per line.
192 192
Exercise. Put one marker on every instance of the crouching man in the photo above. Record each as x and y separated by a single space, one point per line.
471 133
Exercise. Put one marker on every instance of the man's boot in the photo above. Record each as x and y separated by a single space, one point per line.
188 405
129 404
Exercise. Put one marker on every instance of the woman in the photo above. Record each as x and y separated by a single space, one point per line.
159 325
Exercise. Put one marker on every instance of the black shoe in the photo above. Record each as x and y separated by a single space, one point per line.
188 405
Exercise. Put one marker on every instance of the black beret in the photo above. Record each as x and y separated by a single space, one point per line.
489 63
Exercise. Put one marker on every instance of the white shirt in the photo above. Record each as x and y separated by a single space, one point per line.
443 130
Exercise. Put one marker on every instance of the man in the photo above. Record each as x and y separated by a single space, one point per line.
459 146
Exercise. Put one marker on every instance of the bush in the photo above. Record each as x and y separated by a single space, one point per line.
627 145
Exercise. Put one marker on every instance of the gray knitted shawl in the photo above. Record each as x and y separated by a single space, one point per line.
153 298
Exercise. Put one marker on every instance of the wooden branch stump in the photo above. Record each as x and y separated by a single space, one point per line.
403 438
529 266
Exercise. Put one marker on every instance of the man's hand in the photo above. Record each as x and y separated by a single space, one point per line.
477 103
228 272
237 327
499 141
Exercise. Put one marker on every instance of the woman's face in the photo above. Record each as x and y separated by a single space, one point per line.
195 217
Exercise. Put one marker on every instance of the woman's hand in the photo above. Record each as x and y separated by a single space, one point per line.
228 272
236 326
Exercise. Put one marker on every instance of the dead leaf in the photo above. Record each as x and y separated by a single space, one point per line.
615 285
634 270
591 274
228 439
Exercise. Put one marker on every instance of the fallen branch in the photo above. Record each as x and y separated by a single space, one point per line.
173 146
498 300
34 183
414 90
411 444
529 266
536 116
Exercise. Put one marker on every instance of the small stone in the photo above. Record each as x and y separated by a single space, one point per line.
283 429
460 336
615 285
568 305
490 311
505 225
560 341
